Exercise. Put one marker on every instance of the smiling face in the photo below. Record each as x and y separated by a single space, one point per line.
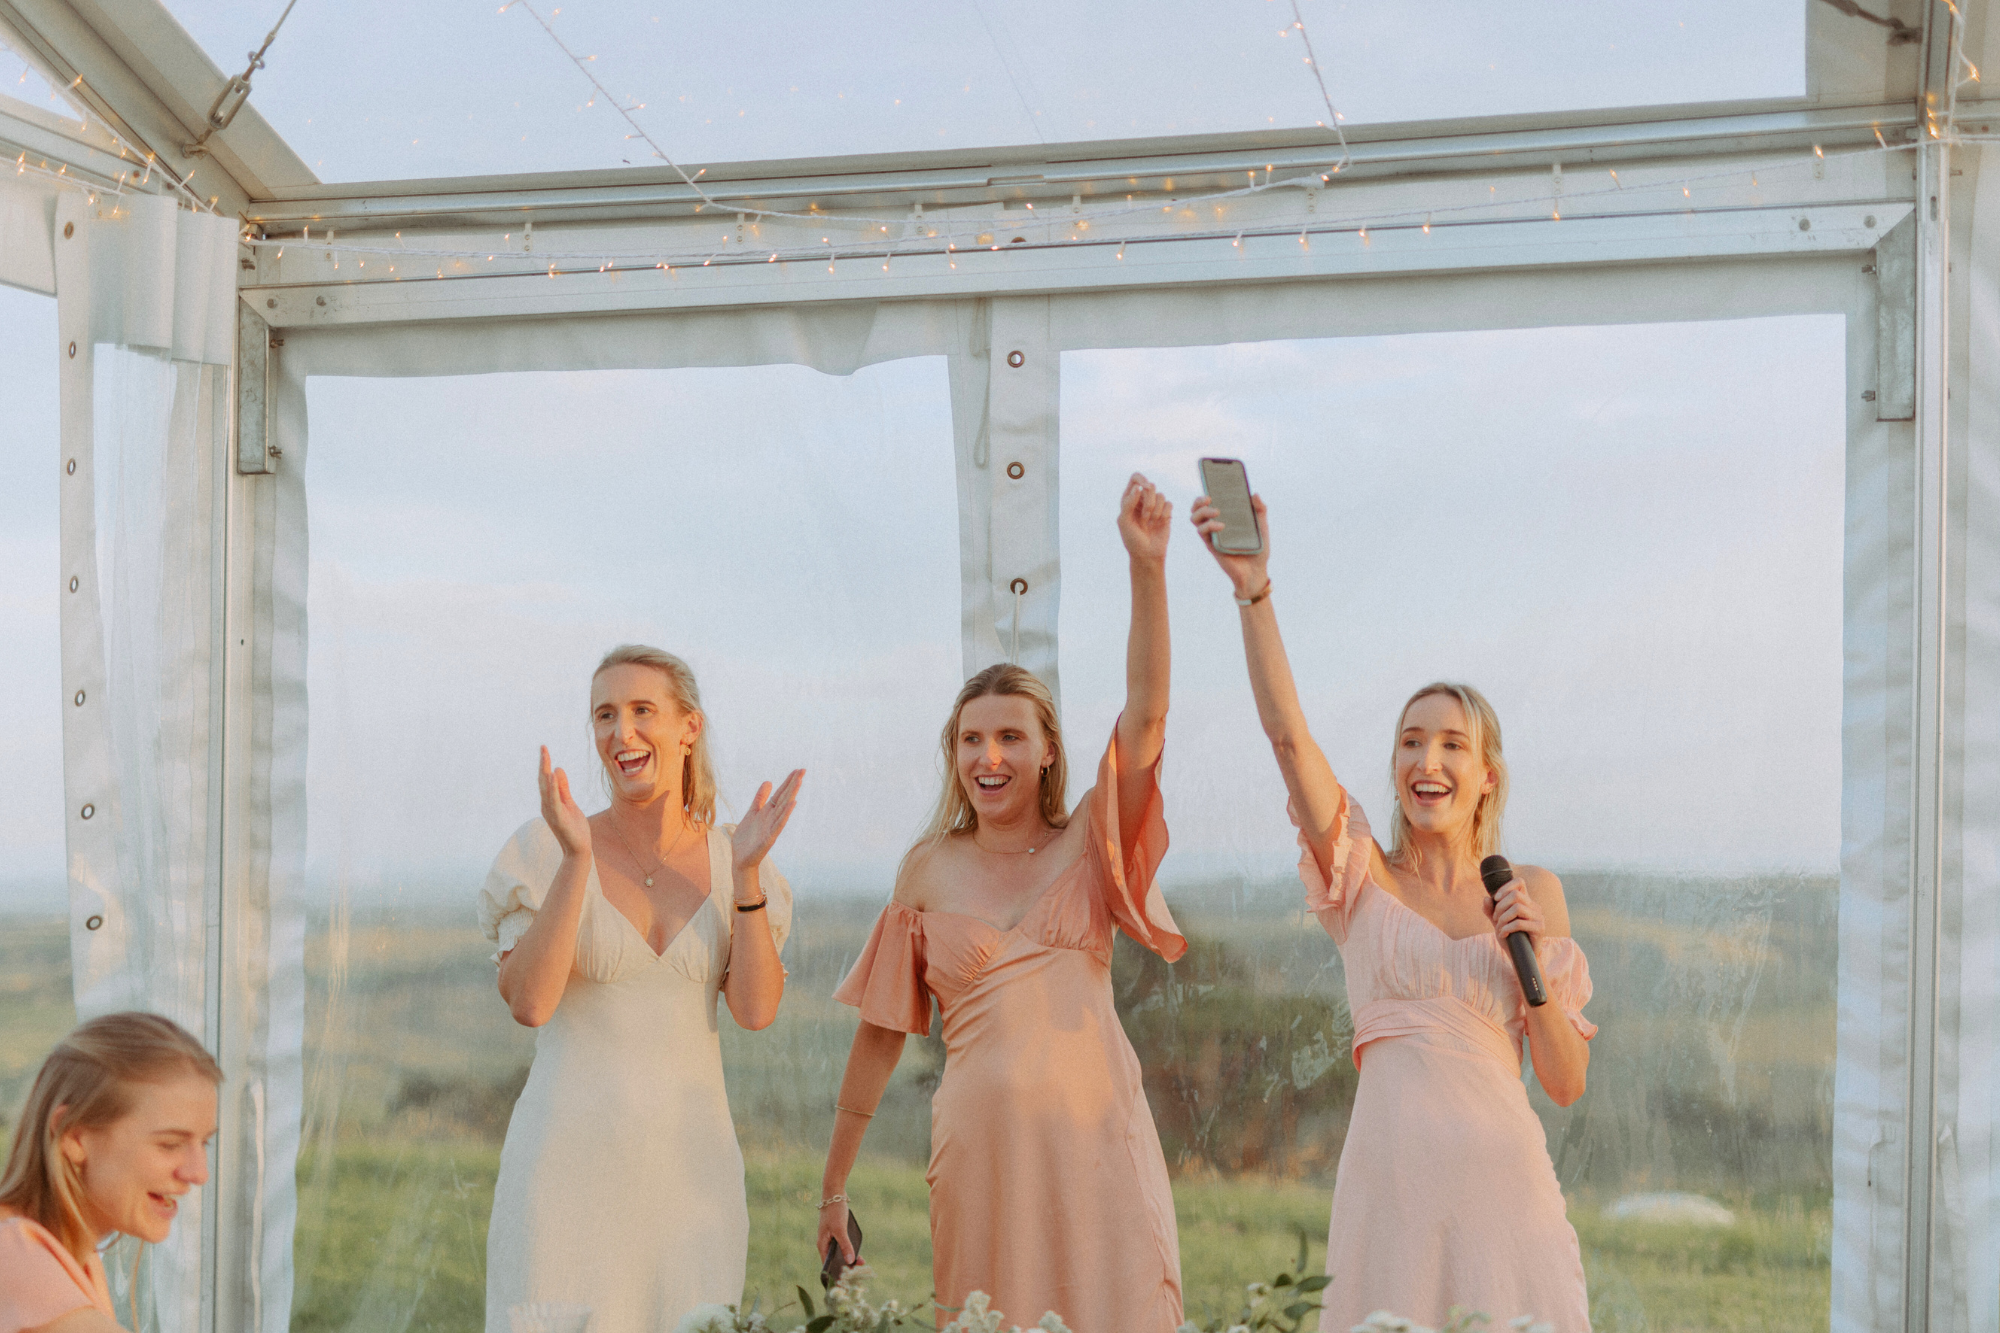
1000 753
1440 777
135 1169
642 732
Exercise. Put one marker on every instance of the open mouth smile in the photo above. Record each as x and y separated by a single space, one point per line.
1430 793
632 762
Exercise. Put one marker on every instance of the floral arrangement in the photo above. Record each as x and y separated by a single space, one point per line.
1282 1305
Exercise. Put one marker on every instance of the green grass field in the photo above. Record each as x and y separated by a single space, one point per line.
1712 1074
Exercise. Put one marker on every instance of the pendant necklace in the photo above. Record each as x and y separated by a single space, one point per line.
671 848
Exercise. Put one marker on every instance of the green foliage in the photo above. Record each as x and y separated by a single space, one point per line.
1285 1304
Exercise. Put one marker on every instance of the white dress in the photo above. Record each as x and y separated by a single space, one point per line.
621 1182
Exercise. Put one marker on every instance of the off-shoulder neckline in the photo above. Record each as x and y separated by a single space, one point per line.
1369 881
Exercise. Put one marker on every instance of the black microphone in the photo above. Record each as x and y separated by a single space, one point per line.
1495 871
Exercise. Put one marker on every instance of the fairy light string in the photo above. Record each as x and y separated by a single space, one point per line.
947 240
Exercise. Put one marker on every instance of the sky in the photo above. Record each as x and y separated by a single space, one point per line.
380 89
1629 537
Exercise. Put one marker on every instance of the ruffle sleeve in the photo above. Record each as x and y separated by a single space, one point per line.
517 883
778 889
886 982
1332 899
1566 972
1124 878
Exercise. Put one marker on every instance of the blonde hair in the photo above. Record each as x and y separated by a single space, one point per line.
954 812
86 1083
697 771
1485 728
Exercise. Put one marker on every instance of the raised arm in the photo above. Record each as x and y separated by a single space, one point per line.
535 972
1145 518
1309 780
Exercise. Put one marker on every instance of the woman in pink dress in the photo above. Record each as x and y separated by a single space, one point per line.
1048 1187
114 1133
1446 1196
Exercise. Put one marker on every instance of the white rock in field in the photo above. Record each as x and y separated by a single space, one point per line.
1672 1206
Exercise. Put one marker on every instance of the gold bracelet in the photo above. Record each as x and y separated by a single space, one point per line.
825 1204
865 1115
1252 601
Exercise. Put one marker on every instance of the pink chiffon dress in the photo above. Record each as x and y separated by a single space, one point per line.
1048 1187
1446 1195
40 1281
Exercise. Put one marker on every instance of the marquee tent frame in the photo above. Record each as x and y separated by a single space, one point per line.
1866 198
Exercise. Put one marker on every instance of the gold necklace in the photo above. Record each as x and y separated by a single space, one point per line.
671 849
1027 851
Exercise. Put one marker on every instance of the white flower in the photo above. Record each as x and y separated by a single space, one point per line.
1239 1328
1051 1322
1382 1321
976 1317
1188 1328
707 1318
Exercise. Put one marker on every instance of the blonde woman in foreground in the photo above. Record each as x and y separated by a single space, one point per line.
1445 1194
621 1181
1048 1187
114 1132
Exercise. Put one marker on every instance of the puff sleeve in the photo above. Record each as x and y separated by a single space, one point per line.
886 982
1332 899
1566 972
517 884
1124 862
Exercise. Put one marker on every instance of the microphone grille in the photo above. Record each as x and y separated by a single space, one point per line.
1494 872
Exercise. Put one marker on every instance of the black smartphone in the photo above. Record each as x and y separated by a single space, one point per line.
835 1265
1227 487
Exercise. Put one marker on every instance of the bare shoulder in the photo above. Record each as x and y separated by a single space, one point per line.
917 878
1547 891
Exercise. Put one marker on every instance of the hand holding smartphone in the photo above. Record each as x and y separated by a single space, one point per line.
1227 486
836 1263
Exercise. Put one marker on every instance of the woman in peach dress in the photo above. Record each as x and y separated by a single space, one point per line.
1048 1187
1446 1196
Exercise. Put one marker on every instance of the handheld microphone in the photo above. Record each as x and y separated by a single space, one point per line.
1495 872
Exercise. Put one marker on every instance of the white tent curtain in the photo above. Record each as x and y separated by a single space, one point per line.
145 305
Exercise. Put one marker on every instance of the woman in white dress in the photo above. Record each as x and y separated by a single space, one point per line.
621 1182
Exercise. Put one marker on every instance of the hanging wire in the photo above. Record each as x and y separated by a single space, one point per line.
1312 62
582 64
236 93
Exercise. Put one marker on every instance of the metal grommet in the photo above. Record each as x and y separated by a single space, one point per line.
1019 240
319 300
93 923
72 583
69 230
72 349
270 303
1017 359
70 467
1805 224
1016 471
1018 586
88 811
79 698
1869 222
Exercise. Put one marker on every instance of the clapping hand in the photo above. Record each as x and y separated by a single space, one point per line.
1144 519
1249 573
561 813
759 829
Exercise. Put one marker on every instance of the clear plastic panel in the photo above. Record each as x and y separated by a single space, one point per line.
382 91
477 545
1629 538
35 1003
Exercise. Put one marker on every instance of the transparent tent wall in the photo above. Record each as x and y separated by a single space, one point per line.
1629 537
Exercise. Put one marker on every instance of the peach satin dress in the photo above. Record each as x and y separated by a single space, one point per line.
1048 1187
1446 1195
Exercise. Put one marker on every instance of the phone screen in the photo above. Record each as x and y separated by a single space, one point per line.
1227 486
